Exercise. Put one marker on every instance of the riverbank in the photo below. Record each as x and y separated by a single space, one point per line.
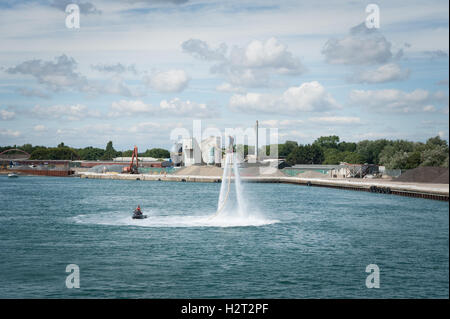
421 190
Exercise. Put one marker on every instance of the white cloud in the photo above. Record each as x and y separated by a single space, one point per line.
336 120
360 46
68 112
55 75
250 66
7 115
114 68
62 75
429 108
268 54
281 123
308 97
373 135
39 128
391 100
202 50
384 73
116 86
169 81
174 107
33 93
9 133
85 7
227 87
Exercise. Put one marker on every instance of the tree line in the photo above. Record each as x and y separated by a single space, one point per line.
64 152
397 154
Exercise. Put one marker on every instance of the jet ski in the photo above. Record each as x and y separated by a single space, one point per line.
138 215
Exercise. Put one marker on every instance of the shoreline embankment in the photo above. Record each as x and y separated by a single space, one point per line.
420 190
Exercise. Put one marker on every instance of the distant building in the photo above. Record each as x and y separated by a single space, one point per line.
189 152
211 150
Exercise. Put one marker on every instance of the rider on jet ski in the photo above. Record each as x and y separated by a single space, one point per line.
138 211
137 214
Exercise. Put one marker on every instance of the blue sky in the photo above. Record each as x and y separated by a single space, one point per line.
137 69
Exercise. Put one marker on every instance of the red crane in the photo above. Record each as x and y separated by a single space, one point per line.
132 169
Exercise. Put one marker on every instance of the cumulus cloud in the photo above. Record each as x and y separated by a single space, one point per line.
174 107
67 112
169 81
308 97
269 54
7 115
365 47
114 68
62 75
385 73
85 7
39 128
155 1
391 100
202 50
429 108
249 66
227 87
281 123
116 86
9 133
55 75
436 54
336 120
33 92
361 46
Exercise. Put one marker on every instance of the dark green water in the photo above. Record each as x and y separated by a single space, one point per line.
305 242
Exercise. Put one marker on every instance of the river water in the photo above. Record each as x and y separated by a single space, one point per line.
294 242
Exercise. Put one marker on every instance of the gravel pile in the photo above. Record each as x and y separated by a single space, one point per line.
200 171
434 175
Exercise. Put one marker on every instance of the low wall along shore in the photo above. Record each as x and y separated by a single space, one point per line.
421 190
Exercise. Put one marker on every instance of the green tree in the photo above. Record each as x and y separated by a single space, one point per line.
306 154
91 153
110 152
55 153
435 156
413 160
285 149
352 158
156 153
327 141
333 156
347 147
127 153
436 141
370 150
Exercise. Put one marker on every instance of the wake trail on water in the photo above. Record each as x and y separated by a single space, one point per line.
124 219
233 209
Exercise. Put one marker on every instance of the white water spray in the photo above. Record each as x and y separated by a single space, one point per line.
226 205
233 209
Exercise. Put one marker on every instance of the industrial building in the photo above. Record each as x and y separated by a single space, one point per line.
189 152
